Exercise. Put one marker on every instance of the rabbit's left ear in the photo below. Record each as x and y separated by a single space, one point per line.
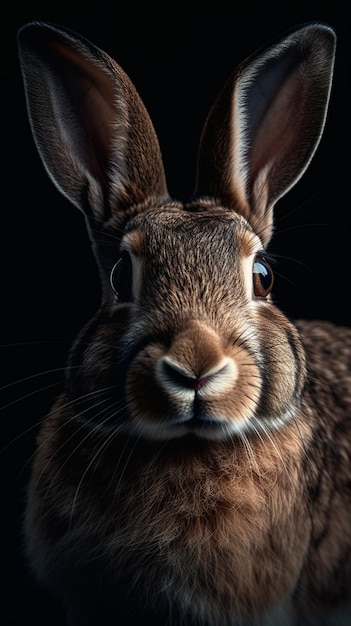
91 128
266 124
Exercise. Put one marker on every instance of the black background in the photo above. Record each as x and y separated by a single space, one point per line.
178 55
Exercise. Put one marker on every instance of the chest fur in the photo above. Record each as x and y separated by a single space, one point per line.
215 529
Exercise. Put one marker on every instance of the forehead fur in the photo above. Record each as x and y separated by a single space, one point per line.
193 232
191 259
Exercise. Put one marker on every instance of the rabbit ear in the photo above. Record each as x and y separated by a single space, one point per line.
266 124
90 126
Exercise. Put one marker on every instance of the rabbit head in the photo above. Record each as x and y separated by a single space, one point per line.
187 340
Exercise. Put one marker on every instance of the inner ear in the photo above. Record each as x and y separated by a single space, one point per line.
91 101
272 135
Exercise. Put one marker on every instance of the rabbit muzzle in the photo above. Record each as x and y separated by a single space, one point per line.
195 386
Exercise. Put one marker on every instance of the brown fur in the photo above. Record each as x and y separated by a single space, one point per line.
196 469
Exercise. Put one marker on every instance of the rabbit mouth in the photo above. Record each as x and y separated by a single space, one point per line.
191 421
202 423
208 427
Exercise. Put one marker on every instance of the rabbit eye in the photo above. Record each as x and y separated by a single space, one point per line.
263 278
121 278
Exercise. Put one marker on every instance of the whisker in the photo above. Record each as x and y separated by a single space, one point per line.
98 452
30 378
29 395
268 435
116 490
250 452
67 421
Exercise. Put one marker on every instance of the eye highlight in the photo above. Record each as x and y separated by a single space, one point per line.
121 278
262 277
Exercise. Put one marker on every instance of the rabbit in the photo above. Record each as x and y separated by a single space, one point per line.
195 469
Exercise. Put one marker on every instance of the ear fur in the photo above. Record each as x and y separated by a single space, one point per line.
100 148
91 128
266 124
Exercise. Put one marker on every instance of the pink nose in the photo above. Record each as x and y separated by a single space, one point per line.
176 375
199 382
175 379
196 363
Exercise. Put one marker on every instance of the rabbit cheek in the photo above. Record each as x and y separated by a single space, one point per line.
241 403
283 358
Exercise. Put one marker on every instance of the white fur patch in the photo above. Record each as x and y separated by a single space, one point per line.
214 382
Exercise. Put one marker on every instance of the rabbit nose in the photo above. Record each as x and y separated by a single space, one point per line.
173 374
177 381
196 363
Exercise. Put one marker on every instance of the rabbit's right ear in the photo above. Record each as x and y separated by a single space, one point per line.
91 128
266 124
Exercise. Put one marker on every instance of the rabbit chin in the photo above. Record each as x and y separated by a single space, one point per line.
210 427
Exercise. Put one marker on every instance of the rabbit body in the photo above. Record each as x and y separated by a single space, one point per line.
196 468
219 529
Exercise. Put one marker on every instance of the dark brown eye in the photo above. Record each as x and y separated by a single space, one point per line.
121 278
263 278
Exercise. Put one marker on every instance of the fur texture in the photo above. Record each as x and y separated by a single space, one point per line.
196 469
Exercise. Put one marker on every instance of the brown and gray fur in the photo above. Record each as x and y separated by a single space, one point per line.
196 469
